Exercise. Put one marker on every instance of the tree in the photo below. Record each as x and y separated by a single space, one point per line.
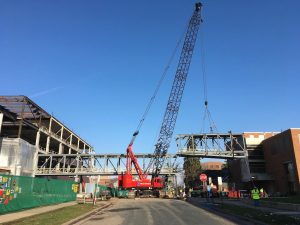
192 168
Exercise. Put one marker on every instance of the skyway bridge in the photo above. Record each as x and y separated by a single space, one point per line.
216 145
223 146
97 164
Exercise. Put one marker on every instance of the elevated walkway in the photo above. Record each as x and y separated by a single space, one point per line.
96 164
222 146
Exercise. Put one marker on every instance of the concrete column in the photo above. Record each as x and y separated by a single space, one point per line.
71 138
50 125
60 151
61 133
37 140
37 148
61 148
48 145
78 145
1 121
84 148
48 138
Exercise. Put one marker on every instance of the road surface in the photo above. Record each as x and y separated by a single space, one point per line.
153 212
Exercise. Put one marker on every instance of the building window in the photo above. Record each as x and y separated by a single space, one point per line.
289 170
257 167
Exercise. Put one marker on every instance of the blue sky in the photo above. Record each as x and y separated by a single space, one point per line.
95 64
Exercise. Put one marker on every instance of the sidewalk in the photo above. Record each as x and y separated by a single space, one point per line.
31 212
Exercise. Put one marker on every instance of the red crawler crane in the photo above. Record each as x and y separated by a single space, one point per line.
126 180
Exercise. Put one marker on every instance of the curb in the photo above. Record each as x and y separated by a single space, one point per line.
86 215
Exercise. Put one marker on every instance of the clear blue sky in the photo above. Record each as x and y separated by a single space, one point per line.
95 64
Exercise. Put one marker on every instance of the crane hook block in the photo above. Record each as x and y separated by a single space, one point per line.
135 133
198 6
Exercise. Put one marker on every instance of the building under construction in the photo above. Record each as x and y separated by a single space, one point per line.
27 130
35 143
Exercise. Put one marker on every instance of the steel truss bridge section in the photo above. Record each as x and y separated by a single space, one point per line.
97 164
222 146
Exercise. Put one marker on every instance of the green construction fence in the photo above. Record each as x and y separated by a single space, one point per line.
115 192
19 192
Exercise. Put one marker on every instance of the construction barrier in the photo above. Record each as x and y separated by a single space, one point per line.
234 194
115 192
19 192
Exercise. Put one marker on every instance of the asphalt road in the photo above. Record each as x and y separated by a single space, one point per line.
153 212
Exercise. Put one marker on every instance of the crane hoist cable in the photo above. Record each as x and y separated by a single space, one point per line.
157 88
212 125
206 114
202 52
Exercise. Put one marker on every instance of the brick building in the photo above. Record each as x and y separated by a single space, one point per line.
212 165
216 170
282 156
273 161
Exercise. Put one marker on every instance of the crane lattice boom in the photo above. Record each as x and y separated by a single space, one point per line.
170 116
127 180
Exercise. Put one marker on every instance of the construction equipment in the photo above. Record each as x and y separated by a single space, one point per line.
126 180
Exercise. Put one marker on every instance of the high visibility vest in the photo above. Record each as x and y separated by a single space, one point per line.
255 194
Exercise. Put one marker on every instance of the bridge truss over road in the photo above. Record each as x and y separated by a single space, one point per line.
223 146
96 164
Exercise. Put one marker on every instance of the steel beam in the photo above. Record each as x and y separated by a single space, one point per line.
224 146
93 164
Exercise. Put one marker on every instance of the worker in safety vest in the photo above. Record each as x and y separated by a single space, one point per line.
255 196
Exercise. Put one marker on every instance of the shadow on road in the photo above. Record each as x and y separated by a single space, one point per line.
210 207
122 209
97 218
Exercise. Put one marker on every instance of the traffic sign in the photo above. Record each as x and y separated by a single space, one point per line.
203 177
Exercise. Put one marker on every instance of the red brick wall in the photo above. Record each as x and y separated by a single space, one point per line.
295 133
278 150
212 165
